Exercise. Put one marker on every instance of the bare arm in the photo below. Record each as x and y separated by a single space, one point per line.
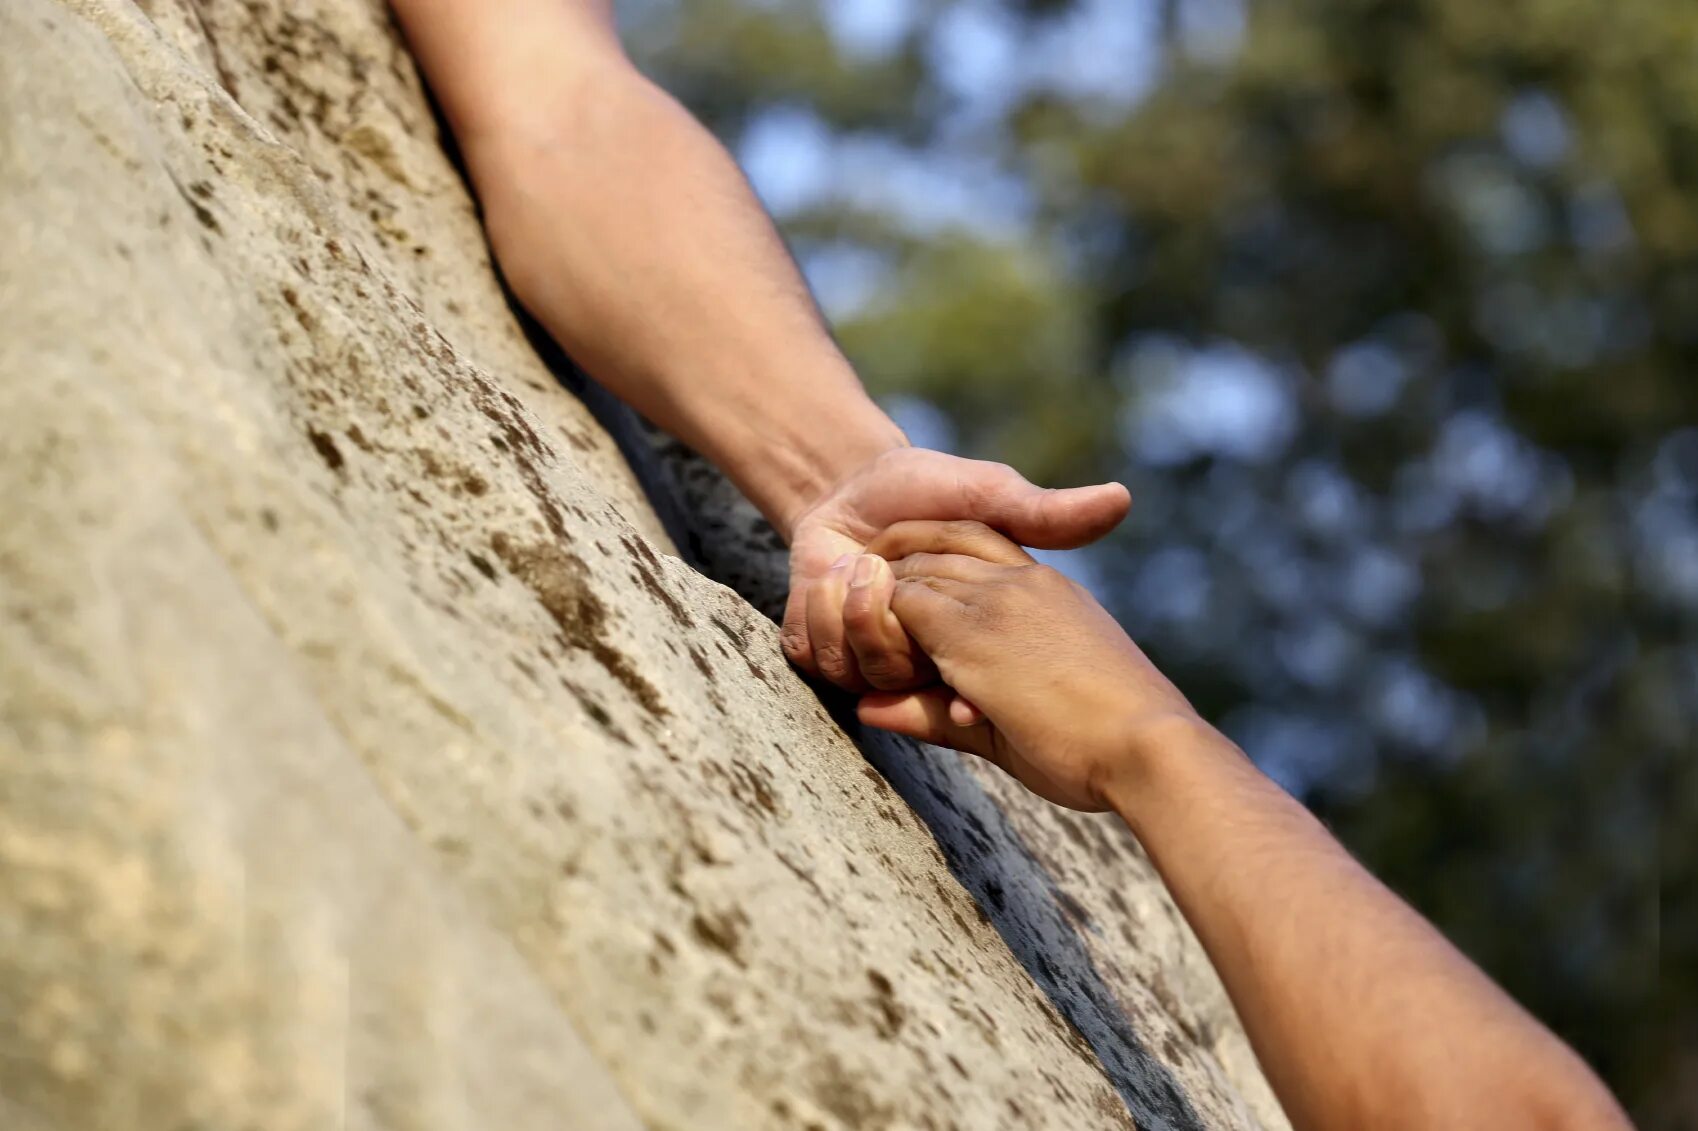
632 236
1362 1015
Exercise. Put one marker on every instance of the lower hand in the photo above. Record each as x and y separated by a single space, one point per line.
862 651
1068 700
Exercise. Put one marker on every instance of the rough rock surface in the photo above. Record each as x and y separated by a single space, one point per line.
367 756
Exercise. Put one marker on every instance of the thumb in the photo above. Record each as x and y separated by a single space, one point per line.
1002 498
926 715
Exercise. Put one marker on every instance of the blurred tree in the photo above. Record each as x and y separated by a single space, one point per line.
1387 310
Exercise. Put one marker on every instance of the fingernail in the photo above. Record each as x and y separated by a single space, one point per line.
841 562
865 567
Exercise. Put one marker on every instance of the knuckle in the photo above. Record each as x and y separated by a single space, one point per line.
832 660
906 595
794 642
1047 576
981 479
885 670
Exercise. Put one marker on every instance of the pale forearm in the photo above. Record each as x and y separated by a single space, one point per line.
631 235
1361 1013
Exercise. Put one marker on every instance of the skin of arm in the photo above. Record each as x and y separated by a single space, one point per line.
632 236
1361 1013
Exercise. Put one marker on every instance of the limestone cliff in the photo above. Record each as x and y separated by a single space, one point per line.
368 756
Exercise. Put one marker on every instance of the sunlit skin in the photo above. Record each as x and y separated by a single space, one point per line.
632 237
1362 1015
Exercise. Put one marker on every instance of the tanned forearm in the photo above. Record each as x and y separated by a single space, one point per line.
1360 1012
629 232
1362 1015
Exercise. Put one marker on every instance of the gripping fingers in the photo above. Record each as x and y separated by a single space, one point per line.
956 567
793 633
883 650
973 539
833 657
925 715
935 611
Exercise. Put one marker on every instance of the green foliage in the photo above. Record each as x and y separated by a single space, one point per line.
1445 255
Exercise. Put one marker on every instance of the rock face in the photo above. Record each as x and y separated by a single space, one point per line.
368 757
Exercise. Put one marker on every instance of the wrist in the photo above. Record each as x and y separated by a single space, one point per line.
814 453
1156 759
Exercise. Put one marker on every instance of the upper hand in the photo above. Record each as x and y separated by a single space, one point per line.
1067 699
906 484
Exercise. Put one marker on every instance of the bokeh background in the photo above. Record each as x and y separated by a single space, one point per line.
1387 312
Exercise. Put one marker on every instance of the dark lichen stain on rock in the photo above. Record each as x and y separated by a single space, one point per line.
721 931
730 633
481 564
326 448
876 778
193 195
749 785
600 714
890 1014
702 664
517 439
740 641
557 578
293 301
648 566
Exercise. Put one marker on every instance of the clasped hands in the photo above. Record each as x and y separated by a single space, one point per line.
909 585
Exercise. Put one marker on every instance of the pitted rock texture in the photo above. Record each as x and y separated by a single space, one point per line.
368 759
